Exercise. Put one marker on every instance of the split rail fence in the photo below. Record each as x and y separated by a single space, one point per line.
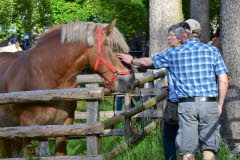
93 128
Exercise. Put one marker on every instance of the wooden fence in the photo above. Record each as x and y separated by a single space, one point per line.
92 129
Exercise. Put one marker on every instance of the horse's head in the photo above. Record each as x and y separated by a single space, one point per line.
99 48
104 60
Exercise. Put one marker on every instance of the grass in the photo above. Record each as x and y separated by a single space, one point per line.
149 148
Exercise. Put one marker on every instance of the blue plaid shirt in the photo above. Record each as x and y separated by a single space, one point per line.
194 67
172 95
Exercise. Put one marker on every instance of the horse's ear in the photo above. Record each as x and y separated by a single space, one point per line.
9 43
109 28
17 44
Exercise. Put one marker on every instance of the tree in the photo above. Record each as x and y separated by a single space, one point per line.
6 14
214 13
31 16
230 42
131 15
199 10
163 14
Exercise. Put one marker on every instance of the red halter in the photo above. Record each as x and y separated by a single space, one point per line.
100 58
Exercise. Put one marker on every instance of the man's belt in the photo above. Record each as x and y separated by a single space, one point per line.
198 99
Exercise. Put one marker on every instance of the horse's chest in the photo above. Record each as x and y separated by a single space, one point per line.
45 115
48 116
54 117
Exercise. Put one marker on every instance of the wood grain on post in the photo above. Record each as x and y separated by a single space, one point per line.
93 78
52 130
128 131
149 103
92 107
53 95
148 78
107 133
109 114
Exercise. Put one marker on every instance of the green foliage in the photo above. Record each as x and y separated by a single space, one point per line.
214 11
24 16
132 15
186 8
214 8
6 14
32 14
149 148
27 16
33 145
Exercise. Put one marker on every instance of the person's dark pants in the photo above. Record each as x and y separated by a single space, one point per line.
169 136
119 103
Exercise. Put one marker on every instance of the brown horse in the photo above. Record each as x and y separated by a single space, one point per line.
55 61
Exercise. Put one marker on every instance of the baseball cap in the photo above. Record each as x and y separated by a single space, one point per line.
192 26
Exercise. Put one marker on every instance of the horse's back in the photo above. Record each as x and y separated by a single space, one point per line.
7 58
6 115
6 62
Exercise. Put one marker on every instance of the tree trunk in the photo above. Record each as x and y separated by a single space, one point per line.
230 42
199 10
163 14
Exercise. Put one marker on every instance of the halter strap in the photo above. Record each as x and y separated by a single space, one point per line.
100 58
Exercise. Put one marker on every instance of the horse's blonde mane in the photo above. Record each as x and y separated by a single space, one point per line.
84 32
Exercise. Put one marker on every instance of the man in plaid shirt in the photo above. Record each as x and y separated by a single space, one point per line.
199 76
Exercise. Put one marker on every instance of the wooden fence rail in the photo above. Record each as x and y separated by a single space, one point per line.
93 94
133 111
52 130
53 95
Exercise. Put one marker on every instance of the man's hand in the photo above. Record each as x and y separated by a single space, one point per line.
220 109
138 62
126 58
222 87
164 88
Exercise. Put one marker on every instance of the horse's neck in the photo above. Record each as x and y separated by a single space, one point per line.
61 65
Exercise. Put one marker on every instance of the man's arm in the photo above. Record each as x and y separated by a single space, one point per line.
222 87
139 62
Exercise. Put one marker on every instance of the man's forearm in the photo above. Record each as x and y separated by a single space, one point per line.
139 62
142 62
222 86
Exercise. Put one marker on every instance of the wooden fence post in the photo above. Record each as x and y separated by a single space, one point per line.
43 149
162 104
92 109
151 83
128 131
148 85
